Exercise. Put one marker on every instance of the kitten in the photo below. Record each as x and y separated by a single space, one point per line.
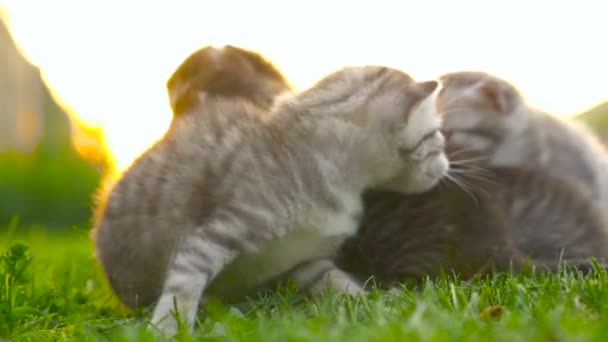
228 71
517 218
526 211
486 114
231 190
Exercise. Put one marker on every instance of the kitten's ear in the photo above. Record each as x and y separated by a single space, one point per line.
259 62
192 75
427 87
496 95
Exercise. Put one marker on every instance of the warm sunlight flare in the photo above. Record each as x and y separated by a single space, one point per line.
109 60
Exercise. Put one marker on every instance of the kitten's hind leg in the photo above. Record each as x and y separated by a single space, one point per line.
317 274
200 257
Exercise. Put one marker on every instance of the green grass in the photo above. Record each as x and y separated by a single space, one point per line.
51 289
54 189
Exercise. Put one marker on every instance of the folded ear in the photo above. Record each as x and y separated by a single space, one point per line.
191 76
228 71
263 66
499 97
427 87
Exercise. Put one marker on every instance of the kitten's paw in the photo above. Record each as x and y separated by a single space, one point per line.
355 290
341 282
166 326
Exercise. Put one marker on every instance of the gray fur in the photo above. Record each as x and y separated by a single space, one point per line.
244 194
519 218
535 194
486 114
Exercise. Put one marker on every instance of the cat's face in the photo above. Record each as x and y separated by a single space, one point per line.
225 71
418 140
397 119
479 111
409 125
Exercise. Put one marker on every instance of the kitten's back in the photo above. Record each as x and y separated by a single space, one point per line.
574 152
141 219
550 216
521 216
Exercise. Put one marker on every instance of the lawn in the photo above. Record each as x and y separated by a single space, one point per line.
51 289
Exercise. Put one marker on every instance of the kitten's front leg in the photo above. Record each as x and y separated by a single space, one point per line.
317 274
199 259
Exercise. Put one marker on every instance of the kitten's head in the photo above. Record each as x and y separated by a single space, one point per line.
397 119
479 111
225 71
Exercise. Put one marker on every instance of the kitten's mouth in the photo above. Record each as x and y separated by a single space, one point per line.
439 168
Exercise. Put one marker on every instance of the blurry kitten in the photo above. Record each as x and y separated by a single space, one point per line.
531 204
229 71
519 216
233 197
486 114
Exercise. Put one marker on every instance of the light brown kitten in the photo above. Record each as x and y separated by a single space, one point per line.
488 115
229 190
231 72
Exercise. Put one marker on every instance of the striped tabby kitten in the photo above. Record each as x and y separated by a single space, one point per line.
486 114
233 73
129 256
230 193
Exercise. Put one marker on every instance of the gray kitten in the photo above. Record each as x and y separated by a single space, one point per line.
232 193
533 211
488 115
516 219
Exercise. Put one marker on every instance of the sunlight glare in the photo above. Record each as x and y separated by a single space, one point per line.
110 60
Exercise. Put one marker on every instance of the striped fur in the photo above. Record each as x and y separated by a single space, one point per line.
233 196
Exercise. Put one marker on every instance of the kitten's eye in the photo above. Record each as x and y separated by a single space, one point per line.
428 136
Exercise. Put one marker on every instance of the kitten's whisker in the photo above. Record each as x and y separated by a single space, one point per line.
458 183
469 164
457 152
471 168
462 176
475 175
468 160
474 171
478 190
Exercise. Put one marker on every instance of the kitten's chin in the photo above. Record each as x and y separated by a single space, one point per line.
421 179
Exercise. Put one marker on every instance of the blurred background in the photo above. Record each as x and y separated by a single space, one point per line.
82 84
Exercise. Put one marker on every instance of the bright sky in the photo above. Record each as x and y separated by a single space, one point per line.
109 60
